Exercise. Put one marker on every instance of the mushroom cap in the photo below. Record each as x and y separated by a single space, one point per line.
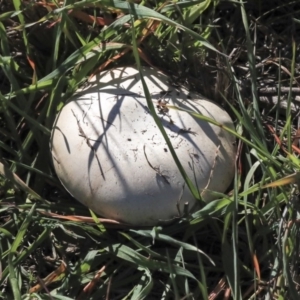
110 155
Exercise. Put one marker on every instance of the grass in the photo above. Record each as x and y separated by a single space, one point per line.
244 245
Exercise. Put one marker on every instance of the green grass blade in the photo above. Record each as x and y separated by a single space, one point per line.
128 254
172 241
13 279
25 115
7 173
144 287
25 253
252 63
195 192
19 238
141 12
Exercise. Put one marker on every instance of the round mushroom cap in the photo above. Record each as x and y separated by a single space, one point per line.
110 155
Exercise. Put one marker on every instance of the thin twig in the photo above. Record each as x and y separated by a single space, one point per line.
82 134
183 130
156 169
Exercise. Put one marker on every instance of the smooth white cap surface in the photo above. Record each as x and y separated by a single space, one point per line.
105 139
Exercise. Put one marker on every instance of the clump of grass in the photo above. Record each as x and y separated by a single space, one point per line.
243 245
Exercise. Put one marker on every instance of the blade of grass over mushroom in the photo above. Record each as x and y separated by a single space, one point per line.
263 152
191 186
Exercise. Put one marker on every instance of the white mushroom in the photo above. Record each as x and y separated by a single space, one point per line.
110 155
